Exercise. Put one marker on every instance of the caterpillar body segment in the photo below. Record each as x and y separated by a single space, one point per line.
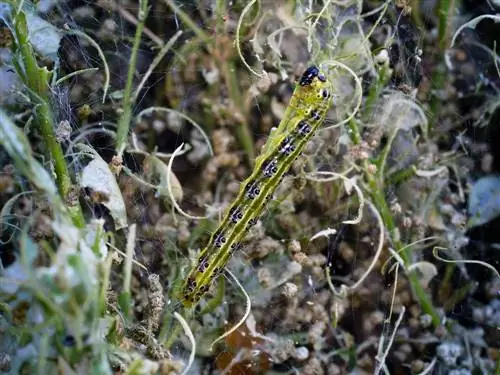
307 110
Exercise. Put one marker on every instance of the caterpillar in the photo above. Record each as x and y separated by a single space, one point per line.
306 111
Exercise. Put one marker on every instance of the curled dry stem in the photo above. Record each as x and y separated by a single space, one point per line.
359 91
271 38
381 356
396 276
107 75
155 63
430 174
139 264
128 99
74 74
127 277
323 233
348 182
190 335
379 246
248 306
396 255
429 368
150 110
136 149
169 187
472 24
465 261
345 289
238 41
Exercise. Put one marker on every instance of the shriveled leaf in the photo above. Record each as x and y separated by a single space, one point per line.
351 42
397 111
98 177
155 171
43 36
403 152
484 201
425 272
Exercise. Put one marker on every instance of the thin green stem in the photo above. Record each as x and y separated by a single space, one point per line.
438 82
187 21
416 14
128 102
243 133
215 302
44 123
37 79
418 290
375 91
402 175
174 335
382 160
354 131
220 6
376 191
439 75
445 6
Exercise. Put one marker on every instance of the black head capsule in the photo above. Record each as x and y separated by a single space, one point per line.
308 76
270 167
236 214
287 146
252 189
303 128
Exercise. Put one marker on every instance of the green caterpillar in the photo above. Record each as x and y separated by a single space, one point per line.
307 110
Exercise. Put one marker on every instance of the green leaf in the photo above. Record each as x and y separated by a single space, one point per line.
42 35
17 146
37 79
